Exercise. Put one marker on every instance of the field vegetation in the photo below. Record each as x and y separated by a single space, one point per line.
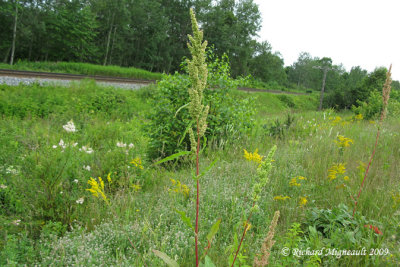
193 172
58 141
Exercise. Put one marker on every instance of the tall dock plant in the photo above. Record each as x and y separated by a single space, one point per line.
385 100
197 69
198 72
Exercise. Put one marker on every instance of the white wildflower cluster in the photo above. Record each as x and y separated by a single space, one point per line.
94 248
123 145
11 170
64 145
70 127
16 222
80 200
2 186
120 144
86 168
86 149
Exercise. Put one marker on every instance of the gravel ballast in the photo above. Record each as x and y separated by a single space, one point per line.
14 81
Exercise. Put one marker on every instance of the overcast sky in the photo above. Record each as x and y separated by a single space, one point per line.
362 33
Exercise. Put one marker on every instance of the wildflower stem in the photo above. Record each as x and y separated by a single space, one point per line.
198 194
385 98
366 171
243 235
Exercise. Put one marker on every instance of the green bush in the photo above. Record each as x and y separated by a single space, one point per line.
229 118
371 108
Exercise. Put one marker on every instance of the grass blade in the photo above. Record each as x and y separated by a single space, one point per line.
170 262
172 157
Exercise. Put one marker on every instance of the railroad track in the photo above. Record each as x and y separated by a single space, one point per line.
65 76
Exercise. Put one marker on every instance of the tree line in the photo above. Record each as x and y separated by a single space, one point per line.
152 34
148 34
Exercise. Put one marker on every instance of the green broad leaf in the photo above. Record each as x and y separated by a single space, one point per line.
185 132
172 157
208 262
185 219
235 242
213 231
170 262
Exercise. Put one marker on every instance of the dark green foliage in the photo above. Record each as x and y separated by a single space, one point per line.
279 128
330 232
339 228
266 65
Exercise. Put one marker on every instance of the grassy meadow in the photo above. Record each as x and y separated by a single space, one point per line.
55 139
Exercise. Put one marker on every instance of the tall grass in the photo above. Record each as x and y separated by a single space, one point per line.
84 68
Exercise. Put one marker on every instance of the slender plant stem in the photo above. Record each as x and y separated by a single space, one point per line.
366 171
198 195
243 235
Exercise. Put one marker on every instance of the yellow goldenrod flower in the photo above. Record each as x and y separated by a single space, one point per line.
341 168
281 197
293 182
253 156
346 178
109 178
179 188
138 163
359 117
396 199
336 169
301 178
335 120
97 188
343 142
136 187
303 201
